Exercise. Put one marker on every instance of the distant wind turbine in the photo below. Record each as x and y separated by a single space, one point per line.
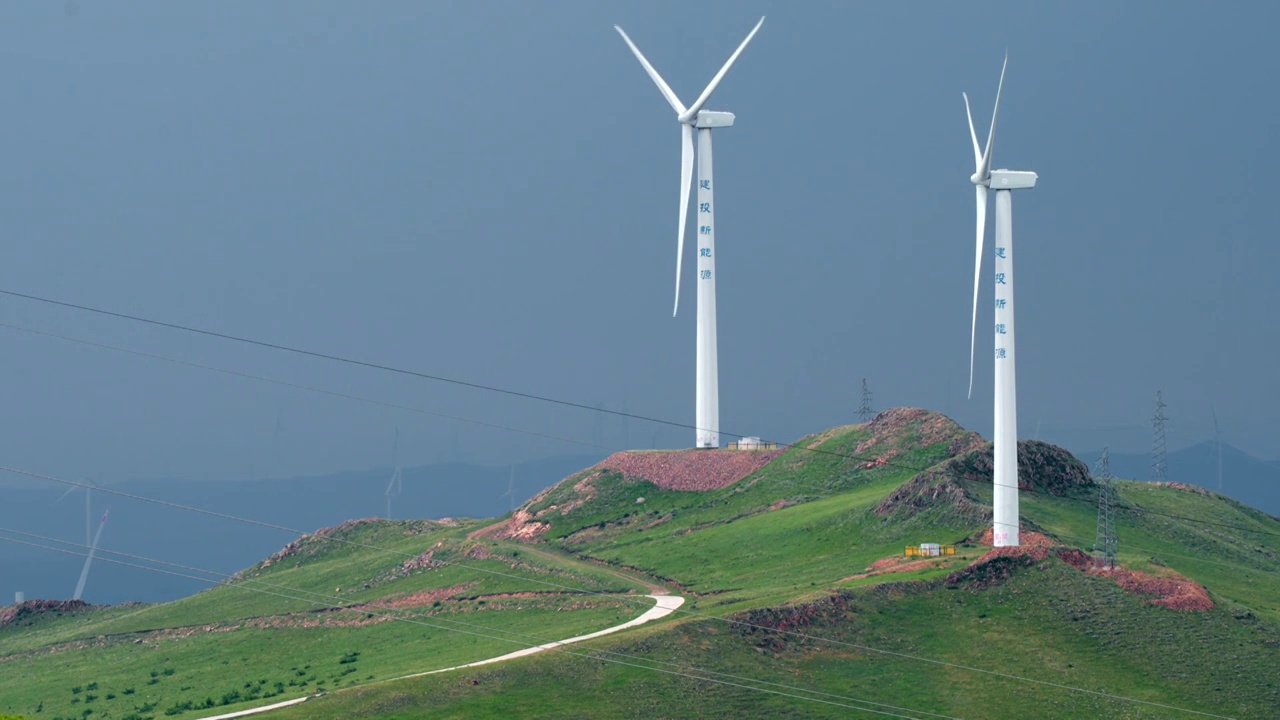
93 548
707 391
88 507
396 486
1217 439
511 488
1005 434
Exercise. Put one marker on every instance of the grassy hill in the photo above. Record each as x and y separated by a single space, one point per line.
791 565
314 616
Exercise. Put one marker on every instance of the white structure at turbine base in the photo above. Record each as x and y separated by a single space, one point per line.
707 380
1005 441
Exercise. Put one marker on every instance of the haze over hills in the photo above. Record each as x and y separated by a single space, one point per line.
792 570
305 503
1248 479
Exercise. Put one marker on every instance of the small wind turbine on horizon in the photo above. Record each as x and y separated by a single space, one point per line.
396 486
93 549
1217 440
707 390
1005 431
511 488
88 507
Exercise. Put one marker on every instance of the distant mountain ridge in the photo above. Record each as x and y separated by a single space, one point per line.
303 503
1250 480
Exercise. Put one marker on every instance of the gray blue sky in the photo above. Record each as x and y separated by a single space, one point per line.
486 190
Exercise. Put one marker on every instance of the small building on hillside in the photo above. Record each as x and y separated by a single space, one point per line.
930 550
752 443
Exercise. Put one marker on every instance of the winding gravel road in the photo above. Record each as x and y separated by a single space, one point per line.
664 605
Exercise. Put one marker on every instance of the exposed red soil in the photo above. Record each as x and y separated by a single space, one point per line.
1170 590
689 469
1026 538
894 564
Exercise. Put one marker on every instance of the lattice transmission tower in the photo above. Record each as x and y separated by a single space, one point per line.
865 412
1159 453
1104 546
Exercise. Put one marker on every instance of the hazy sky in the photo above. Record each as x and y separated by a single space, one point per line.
486 190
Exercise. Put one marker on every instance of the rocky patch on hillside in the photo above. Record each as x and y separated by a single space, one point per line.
1169 589
1042 467
30 609
908 427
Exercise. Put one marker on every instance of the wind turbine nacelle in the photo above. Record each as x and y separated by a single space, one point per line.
713 119
1012 179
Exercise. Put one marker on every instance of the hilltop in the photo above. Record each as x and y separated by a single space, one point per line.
791 563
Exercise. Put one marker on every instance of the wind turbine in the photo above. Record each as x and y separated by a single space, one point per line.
88 507
396 486
1217 439
707 389
511 488
1005 431
93 548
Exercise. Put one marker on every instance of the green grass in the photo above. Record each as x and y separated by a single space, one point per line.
1049 622
733 542
264 638
302 660
777 549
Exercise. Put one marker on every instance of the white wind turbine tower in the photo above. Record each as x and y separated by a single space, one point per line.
707 391
396 486
93 548
1005 431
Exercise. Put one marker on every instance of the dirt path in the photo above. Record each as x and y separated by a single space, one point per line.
664 605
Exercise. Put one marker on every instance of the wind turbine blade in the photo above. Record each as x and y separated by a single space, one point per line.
70 490
985 169
977 151
93 548
686 184
657 79
706 94
981 196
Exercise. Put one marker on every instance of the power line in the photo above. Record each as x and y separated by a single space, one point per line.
324 391
345 360
598 409
1104 545
1159 452
1135 509
299 386
333 393
227 578
416 619
865 413
533 397
730 621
